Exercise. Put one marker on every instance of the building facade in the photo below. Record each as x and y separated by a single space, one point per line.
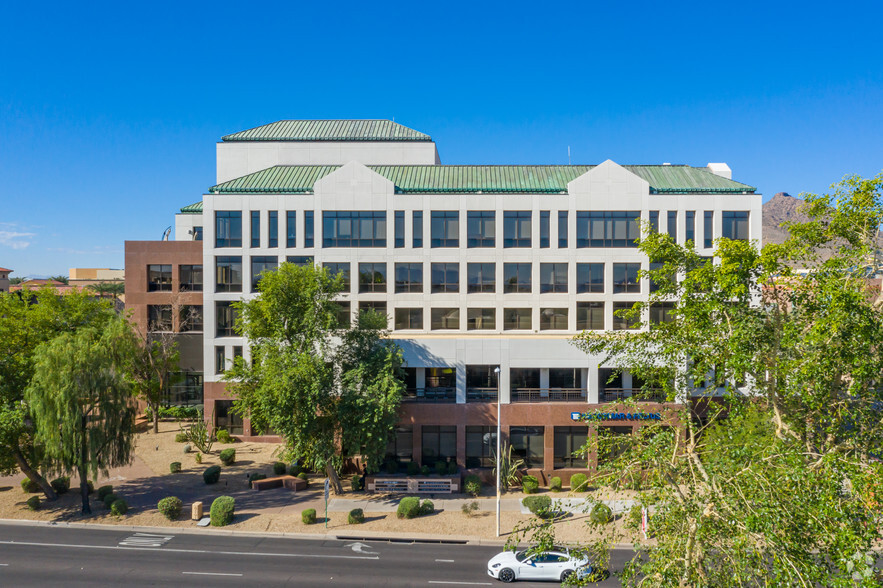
4 279
486 272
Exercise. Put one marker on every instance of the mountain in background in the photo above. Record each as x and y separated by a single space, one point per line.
782 207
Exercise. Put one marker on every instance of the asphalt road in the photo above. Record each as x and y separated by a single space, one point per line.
63 556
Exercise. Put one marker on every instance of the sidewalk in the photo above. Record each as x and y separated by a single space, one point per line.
389 505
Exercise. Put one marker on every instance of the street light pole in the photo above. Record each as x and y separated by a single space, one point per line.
497 371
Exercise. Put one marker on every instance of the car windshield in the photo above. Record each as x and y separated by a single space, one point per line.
521 555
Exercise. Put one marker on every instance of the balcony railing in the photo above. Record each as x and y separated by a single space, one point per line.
641 395
481 394
548 395
438 394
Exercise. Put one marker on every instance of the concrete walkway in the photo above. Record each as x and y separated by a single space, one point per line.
388 505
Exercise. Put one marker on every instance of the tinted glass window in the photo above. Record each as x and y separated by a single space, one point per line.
228 228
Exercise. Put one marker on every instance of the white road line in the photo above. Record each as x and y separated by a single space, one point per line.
445 560
461 583
209 574
168 550
3 565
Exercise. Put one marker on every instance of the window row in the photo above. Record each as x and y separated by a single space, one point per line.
159 278
160 318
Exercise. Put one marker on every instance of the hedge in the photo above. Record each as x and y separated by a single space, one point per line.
175 467
119 507
308 516
453 468
228 456
529 484
29 486
34 503
104 491
601 514
170 507
413 468
303 476
223 436
279 468
222 511
61 485
355 517
441 468
427 507
356 483
578 482
109 500
180 437
555 484
409 508
538 505
254 478
212 474
472 485
182 413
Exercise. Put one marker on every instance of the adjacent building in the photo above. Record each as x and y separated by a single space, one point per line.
4 279
486 272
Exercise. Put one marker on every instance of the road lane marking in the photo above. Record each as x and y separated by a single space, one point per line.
170 550
146 540
3 565
461 583
209 574
445 560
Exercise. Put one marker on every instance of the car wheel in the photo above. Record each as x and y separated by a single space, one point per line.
566 575
506 575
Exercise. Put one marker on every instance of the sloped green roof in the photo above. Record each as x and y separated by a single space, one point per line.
330 130
195 208
491 179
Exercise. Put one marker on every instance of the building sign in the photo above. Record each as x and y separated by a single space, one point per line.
615 416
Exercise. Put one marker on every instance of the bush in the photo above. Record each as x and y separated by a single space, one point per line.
578 483
104 491
255 478
119 507
279 468
391 467
175 467
170 507
223 436
634 518
294 470
424 470
187 448
28 486
529 484
198 458
228 457
355 517
452 468
356 483
427 507
180 437
211 475
472 485
441 468
469 508
555 484
409 508
110 499
303 476
90 487
222 511
179 413
308 516
541 506
413 468
61 485
601 514
34 503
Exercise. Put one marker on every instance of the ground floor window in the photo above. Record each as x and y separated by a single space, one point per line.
481 445
612 443
569 440
185 389
225 418
527 444
439 444
400 448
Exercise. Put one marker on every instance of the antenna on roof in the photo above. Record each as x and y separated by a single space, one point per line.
568 155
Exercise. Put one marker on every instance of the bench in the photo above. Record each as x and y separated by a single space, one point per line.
290 482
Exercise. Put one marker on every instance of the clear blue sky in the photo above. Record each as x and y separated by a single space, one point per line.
109 113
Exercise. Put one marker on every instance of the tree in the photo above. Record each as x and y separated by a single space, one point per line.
113 289
330 391
60 278
82 401
27 320
773 482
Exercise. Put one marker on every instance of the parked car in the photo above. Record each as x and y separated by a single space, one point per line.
556 565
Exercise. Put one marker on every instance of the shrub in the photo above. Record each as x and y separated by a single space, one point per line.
427 507
223 436
472 485
356 483
28 486
175 467
601 514
634 518
424 470
279 468
469 508
294 470
555 484
391 467
179 413
452 468
409 508
308 516
180 437
211 475
541 506
303 476
110 499
578 482
198 458
222 511
187 448
90 487
529 484
170 507
255 478
104 491
200 434
355 517
228 456
441 468
61 485
34 503
119 507
413 468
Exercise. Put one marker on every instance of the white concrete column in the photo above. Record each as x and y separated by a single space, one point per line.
626 379
504 394
544 378
592 381
421 377
461 382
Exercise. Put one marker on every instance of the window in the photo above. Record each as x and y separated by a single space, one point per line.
622 323
481 319
527 443
445 319
372 277
291 228
259 265
417 229
516 228
445 228
562 229
228 274
439 444
225 318
553 278
159 278
553 319
309 228
590 278
409 277
657 283
524 379
408 318
567 378
300 260
482 377
690 225
481 277
625 278
197 233
654 221
190 318
225 418
228 228
441 377
237 352
516 278
445 277
400 228
220 359
341 269
673 224
661 312
735 225
159 318
516 319
344 315
273 228
481 446
190 278
607 228
372 306
612 444
708 229
481 228
545 228
401 445
569 440
255 228
589 316
346 228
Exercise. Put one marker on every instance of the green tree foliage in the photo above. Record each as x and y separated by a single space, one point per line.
81 400
329 392
111 289
155 362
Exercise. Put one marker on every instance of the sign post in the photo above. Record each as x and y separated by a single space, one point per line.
327 491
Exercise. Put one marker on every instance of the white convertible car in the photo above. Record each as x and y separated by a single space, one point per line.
556 565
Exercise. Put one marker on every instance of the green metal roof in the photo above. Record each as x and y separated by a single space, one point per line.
491 179
195 208
330 130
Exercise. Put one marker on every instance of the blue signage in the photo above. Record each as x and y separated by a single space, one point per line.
615 416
